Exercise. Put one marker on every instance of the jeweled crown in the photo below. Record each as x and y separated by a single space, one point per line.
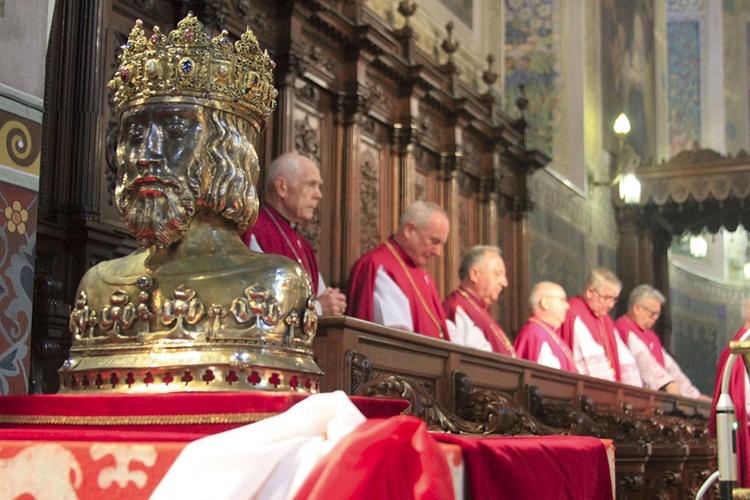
189 63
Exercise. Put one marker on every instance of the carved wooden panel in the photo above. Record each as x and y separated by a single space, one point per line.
430 124
307 142
472 151
371 206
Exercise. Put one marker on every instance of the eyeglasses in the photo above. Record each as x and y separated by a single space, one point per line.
653 314
607 298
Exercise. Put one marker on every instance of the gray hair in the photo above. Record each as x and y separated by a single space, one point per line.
642 292
602 276
473 257
419 213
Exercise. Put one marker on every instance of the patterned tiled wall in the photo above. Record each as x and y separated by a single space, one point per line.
705 315
532 45
684 93
557 252
20 146
736 67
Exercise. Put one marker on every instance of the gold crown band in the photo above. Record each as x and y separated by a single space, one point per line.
189 64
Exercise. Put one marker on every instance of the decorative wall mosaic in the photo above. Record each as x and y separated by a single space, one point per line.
734 25
532 60
684 92
18 209
628 72
557 252
20 151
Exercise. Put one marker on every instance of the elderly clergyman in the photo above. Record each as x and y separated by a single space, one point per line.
483 277
293 188
658 369
389 285
590 332
539 339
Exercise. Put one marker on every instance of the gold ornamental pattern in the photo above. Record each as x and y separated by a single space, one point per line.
188 63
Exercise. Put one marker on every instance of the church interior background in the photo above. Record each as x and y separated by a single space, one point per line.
679 69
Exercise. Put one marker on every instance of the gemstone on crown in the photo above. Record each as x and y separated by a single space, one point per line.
188 63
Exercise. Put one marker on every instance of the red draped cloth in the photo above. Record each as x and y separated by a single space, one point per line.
570 467
737 393
394 458
275 234
602 330
424 302
532 336
625 326
477 311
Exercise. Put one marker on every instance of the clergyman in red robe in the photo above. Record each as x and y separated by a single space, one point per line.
293 188
738 391
483 277
539 339
658 369
389 285
590 332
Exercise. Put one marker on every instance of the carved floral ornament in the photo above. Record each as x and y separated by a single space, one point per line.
186 316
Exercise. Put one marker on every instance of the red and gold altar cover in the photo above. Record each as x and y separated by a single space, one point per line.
121 446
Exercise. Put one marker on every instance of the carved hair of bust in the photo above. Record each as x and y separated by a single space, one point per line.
214 169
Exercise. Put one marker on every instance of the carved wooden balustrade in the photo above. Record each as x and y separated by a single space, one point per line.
662 444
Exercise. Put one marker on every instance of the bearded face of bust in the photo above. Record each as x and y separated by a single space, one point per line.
177 158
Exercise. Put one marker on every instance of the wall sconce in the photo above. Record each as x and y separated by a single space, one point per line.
698 247
626 161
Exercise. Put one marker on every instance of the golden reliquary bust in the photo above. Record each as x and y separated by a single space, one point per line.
193 309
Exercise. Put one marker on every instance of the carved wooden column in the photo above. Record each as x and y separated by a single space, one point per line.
288 68
514 235
634 252
450 172
661 241
74 141
351 206
642 258
73 111
405 139
515 206
489 189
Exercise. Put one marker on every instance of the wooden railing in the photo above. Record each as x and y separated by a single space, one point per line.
662 445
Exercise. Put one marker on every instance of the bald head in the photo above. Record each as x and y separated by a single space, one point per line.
293 187
746 312
549 303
